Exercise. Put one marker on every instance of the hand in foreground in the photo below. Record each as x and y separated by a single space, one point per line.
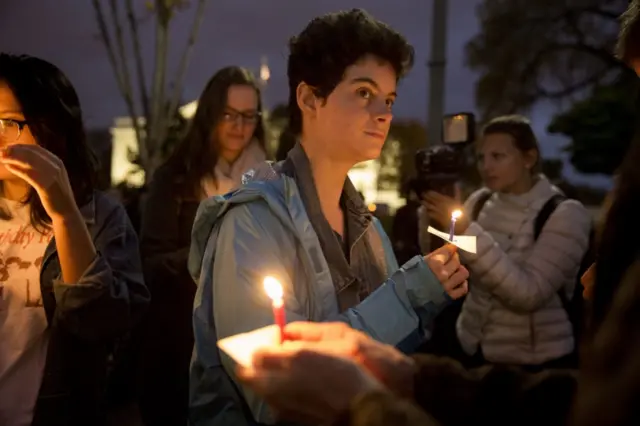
439 207
390 366
45 173
445 265
307 382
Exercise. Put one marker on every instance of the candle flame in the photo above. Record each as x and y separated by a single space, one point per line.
456 214
273 288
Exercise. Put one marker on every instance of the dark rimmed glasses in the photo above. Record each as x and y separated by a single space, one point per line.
11 129
249 118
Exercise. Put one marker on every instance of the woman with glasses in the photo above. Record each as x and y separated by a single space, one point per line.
226 138
70 275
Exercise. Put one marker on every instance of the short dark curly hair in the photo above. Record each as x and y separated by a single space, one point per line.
321 53
628 46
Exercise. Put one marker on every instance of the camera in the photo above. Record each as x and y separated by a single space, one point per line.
439 167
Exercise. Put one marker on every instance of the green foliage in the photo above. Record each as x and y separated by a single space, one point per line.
559 50
599 127
530 50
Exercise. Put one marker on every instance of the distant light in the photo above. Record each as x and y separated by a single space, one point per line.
265 73
372 207
188 111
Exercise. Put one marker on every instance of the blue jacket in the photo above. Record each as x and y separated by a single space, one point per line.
262 229
86 318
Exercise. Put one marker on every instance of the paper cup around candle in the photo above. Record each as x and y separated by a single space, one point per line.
241 347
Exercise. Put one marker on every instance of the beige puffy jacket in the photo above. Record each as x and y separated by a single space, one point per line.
513 310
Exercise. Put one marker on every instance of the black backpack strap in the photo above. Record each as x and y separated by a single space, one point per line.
545 213
480 202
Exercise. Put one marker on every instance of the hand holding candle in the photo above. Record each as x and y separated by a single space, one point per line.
454 216
274 290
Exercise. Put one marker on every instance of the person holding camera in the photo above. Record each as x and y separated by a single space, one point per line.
515 311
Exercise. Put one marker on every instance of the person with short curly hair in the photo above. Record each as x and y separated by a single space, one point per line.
304 222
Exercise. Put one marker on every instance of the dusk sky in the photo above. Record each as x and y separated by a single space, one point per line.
239 32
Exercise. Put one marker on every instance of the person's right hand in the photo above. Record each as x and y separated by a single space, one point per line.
307 382
390 366
445 265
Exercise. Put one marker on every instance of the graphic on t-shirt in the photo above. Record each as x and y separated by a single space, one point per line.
34 297
23 322
5 266
21 255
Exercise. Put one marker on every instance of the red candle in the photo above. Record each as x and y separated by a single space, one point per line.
274 290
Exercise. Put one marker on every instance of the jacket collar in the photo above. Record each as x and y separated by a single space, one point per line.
539 193
353 201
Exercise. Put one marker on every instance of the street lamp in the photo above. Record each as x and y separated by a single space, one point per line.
265 73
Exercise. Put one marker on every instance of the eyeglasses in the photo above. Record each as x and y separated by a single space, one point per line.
241 117
10 129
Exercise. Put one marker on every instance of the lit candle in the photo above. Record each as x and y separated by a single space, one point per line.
274 290
454 216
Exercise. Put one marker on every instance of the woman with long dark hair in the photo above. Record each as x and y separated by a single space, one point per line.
225 139
70 275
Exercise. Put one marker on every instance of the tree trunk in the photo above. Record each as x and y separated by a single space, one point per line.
157 109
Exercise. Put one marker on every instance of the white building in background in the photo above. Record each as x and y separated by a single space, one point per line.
364 175
124 146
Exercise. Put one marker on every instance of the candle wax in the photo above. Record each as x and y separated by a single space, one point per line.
279 317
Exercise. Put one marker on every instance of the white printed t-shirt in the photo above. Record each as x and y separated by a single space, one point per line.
23 325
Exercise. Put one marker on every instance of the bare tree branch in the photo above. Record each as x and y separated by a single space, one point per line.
139 63
575 87
184 61
569 13
571 52
121 77
126 81
163 16
153 99
106 40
